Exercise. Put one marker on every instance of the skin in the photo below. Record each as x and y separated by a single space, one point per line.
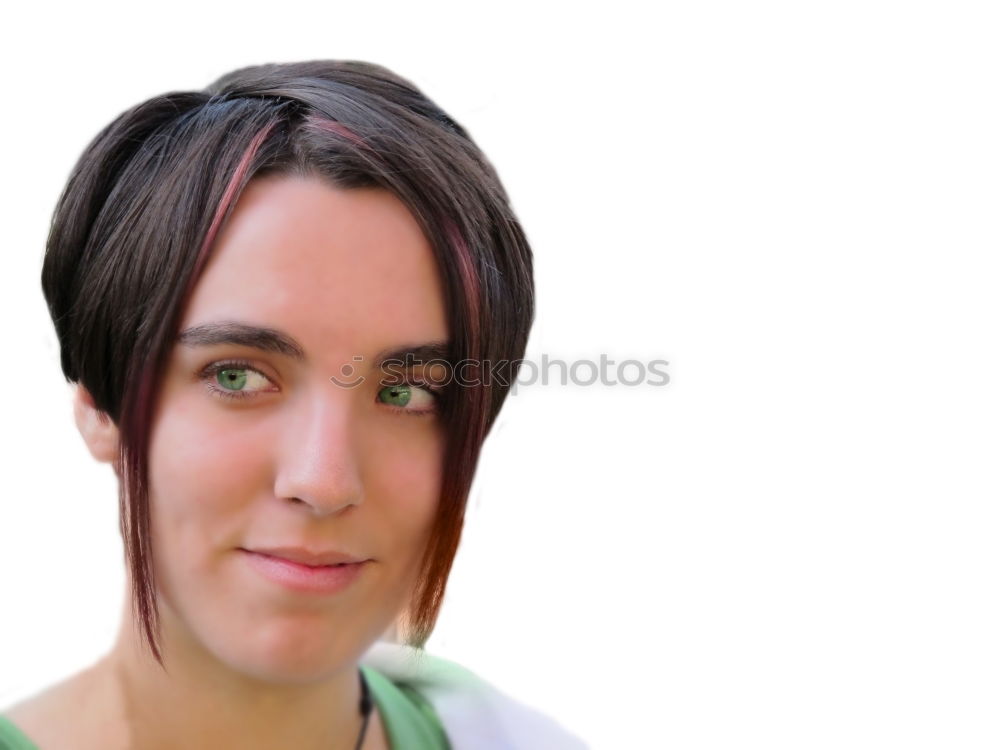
300 462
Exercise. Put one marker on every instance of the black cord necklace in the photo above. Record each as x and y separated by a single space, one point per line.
366 708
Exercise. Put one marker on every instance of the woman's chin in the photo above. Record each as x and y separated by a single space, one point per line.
284 658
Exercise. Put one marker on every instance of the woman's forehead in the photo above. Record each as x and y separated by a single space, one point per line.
324 264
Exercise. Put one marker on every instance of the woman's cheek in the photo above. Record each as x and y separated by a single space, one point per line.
195 516
413 475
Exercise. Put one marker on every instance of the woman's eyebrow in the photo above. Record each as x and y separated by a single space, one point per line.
242 334
272 340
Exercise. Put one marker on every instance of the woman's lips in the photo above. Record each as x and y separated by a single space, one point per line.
306 556
317 579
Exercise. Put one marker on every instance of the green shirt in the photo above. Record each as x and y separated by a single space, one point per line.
410 721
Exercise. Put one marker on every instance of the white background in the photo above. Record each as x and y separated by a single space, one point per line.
794 543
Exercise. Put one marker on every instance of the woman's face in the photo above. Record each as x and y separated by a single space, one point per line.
268 451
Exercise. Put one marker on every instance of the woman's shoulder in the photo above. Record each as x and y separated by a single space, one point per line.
65 714
473 714
32 719
11 735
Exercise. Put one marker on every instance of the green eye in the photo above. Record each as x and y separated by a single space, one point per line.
235 380
397 395
232 378
409 397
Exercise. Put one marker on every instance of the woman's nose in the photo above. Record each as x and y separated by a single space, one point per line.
318 460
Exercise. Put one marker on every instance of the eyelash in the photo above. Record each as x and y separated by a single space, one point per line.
208 374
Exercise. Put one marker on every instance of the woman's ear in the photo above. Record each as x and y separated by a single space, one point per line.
98 430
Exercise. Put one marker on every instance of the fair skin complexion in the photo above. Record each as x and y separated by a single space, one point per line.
300 461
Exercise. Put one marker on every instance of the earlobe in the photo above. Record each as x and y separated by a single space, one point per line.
98 429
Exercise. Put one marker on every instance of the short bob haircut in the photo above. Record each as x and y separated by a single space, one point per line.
135 224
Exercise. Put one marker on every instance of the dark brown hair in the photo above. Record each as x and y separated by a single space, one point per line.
136 221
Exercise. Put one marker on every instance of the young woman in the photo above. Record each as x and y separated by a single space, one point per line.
291 305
